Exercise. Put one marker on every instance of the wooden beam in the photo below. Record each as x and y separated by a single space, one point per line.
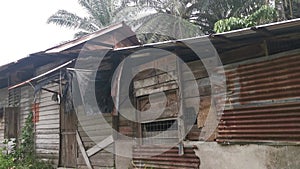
98 147
83 152
98 43
262 31
221 38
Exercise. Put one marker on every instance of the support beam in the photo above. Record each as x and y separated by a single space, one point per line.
98 147
83 152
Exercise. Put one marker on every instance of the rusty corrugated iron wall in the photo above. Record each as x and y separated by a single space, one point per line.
263 102
152 157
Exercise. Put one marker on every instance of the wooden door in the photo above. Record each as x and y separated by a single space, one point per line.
68 139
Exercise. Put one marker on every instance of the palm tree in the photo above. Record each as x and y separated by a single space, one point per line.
101 14
155 20
167 19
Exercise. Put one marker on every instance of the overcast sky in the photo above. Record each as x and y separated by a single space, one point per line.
24 29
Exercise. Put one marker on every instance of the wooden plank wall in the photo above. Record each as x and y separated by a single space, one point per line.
92 130
26 102
152 81
199 74
3 104
47 125
160 76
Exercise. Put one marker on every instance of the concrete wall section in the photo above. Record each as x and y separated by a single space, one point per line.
213 155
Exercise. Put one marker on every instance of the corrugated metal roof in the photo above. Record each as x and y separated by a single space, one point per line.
230 36
107 38
125 30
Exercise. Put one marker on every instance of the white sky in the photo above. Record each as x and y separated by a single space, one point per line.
24 29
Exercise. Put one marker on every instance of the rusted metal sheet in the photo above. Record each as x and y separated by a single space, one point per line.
263 102
151 157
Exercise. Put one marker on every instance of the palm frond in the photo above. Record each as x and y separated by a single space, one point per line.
70 20
100 10
167 27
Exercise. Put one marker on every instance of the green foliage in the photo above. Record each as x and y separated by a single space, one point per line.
157 20
211 11
6 161
23 156
143 16
263 15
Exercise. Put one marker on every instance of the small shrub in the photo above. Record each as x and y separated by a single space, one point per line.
23 156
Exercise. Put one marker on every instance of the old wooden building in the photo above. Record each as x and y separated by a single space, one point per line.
164 105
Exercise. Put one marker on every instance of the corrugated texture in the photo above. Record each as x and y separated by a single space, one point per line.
94 129
150 157
47 125
263 102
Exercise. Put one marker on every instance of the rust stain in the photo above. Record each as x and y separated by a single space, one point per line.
265 98
36 112
151 157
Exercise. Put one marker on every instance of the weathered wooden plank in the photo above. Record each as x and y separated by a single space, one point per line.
146 82
157 88
54 109
84 133
90 144
47 126
47 136
47 151
48 106
49 157
83 152
205 103
101 159
46 122
47 131
95 139
49 117
99 118
47 146
196 71
99 146
96 127
47 141
102 124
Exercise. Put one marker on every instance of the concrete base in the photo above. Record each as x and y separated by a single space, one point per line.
213 155
124 154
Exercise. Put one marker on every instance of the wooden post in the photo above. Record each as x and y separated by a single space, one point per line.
180 118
